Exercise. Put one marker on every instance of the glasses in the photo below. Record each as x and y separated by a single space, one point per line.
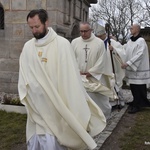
84 31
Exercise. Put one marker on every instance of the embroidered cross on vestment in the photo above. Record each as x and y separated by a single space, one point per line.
42 58
86 49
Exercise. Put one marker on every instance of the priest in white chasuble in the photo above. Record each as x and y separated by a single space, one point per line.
97 77
115 58
60 114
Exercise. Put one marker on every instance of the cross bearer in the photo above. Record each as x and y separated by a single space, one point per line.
92 63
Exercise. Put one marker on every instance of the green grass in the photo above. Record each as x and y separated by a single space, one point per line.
12 130
139 134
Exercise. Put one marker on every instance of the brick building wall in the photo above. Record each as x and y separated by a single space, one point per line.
64 16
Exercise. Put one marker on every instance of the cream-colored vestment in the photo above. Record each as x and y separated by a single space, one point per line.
91 57
50 87
117 59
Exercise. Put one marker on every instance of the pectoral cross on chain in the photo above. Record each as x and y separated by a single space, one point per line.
86 49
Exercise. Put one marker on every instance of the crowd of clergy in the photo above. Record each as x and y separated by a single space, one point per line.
69 89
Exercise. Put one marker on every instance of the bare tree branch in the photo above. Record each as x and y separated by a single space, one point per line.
120 14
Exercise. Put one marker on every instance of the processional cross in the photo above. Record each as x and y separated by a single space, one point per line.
86 49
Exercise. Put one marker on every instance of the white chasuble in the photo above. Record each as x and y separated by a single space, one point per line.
54 97
115 59
118 56
91 57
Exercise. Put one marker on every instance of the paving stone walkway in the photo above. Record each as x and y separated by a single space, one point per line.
113 121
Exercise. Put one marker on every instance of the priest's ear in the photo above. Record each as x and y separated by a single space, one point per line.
92 30
47 23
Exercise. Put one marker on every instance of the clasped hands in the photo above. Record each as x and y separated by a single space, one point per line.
87 74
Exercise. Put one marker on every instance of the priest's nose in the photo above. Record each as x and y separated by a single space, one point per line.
34 30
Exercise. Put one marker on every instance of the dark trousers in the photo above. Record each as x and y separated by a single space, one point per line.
139 93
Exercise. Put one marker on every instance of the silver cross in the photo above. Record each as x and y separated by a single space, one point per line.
86 49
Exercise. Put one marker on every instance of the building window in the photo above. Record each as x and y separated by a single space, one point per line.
85 15
77 9
1 17
67 10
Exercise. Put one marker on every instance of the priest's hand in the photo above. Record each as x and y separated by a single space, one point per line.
87 74
111 48
124 66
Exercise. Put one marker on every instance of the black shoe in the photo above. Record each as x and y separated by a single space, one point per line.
114 107
130 108
130 103
117 107
120 106
133 110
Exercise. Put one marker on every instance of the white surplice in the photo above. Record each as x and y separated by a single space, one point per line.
44 142
137 57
